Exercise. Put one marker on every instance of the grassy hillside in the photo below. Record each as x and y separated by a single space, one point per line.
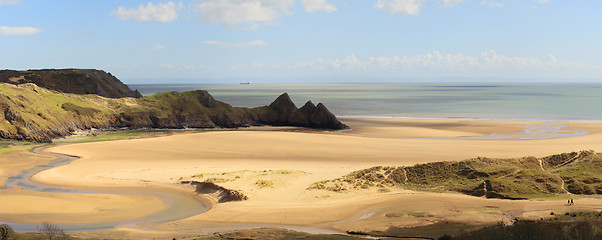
30 112
577 173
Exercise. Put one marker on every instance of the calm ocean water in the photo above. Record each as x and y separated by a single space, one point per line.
508 101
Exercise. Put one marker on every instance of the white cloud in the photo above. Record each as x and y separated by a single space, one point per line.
487 63
162 12
9 2
411 7
491 4
19 30
253 43
318 5
451 3
543 1
159 47
402 7
233 13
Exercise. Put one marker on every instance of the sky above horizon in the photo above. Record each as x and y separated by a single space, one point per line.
213 41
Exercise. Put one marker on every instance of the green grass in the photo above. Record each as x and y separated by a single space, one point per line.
499 178
404 213
33 108
113 135
583 176
12 146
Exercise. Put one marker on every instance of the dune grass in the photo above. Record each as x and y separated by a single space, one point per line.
403 213
264 183
527 177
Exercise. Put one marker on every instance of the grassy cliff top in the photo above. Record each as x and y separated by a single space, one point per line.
79 81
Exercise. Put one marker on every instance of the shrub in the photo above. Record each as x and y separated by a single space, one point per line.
50 231
6 232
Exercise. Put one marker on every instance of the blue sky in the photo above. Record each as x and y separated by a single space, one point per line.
308 40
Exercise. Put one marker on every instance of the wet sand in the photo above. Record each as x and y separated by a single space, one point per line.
243 158
24 206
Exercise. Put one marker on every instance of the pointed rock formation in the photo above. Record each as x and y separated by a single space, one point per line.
308 107
285 113
283 104
321 117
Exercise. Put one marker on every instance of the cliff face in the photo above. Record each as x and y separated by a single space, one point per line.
31 112
79 81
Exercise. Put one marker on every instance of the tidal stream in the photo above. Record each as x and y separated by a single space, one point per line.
180 205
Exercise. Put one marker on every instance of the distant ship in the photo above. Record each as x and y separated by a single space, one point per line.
245 83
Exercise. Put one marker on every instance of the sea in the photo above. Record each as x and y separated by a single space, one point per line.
485 101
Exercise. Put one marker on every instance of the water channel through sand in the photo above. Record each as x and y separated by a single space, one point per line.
180 205
540 130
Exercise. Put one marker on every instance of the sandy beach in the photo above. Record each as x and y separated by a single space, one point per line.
274 167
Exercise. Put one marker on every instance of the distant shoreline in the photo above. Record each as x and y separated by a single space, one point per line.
472 101
521 130
467 119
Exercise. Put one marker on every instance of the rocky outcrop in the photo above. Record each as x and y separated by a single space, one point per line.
283 112
206 99
31 112
220 193
79 81
283 104
198 109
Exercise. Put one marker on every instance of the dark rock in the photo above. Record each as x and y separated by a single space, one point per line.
321 117
283 104
308 108
284 113
205 98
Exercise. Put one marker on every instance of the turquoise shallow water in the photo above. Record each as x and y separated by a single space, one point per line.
502 101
